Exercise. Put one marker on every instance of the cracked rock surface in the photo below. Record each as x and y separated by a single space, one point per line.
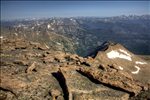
33 71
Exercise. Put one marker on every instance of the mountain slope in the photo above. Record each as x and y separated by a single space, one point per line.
87 33
30 70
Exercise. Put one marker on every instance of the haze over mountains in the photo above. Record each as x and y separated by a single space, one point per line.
90 50
83 35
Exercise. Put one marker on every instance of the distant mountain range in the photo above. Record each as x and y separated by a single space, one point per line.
83 35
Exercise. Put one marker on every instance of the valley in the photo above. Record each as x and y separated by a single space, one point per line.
82 35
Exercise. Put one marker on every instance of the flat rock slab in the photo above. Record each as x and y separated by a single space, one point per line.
113 78
27 86
82 88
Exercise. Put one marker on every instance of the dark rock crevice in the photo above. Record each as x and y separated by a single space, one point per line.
6 90
107 85
62 82
106 78
90 78
103 47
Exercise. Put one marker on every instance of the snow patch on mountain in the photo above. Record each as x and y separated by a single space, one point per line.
47 46
16 34
137 71
125 52
48 26
32 28
139 62
121 68
58 43
115 54
73 20
1 37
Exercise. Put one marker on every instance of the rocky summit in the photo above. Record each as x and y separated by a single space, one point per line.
35 71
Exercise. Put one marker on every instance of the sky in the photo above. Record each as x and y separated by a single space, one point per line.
44 9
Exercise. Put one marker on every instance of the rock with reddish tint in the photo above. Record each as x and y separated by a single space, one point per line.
118 56
113 78
34 71
80 87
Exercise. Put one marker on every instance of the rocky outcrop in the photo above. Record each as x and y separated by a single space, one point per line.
113 78
30 70
122 59
80 87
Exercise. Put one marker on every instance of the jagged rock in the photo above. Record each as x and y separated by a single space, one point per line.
48 74
113 78
79 87
31 68
116 54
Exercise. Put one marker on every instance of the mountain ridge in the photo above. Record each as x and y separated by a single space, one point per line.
88 32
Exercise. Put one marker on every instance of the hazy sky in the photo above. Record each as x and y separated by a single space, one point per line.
38 9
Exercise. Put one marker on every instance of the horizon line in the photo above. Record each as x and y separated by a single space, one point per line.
38 18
